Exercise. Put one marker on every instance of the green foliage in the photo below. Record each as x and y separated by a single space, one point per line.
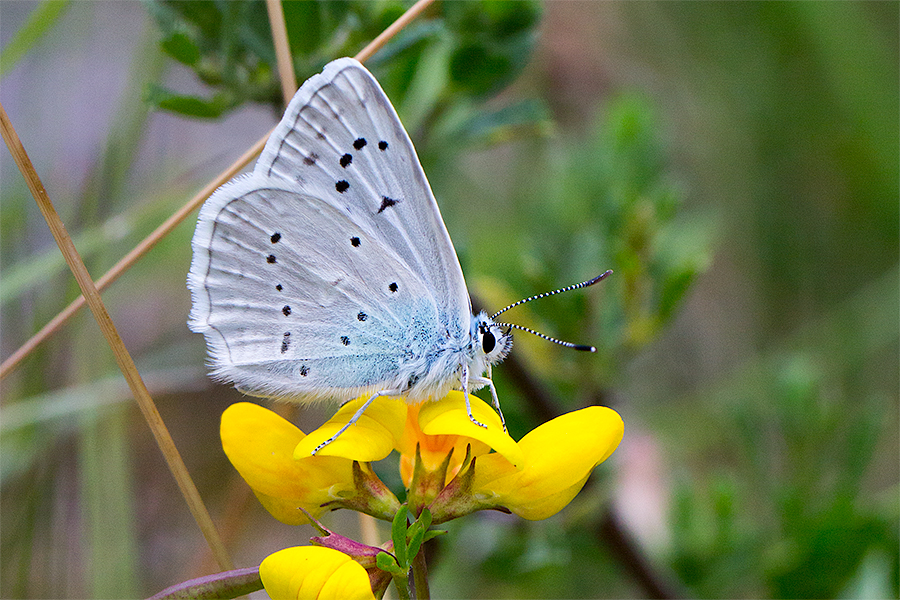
606 199
465 49
407 539
229 47
791 516
620 178
492 42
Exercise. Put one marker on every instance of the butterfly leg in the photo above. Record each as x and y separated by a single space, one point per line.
494 398
465 387
484 381
356 417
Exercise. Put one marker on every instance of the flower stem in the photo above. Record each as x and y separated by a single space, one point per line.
420 576
401 582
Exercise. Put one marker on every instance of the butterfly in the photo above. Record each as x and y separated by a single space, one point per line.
327 272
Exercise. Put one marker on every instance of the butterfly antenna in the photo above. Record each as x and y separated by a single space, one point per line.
548 338
553 293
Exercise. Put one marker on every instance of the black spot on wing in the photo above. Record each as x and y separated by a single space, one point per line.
311 159
285 341
393 286
275 237
286 310
345 340
387 203
346 160
362 316
342 186
304 370
279 287
271 259
382 145
360 143
354 241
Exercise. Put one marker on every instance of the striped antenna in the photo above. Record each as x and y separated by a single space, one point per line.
548 338
553 293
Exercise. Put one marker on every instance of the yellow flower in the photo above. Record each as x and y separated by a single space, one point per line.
440 426
260 445
315 573
558 457
534 478
436 427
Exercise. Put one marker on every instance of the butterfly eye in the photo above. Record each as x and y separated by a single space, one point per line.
488 341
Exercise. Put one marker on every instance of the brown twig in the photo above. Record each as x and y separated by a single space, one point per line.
123 358
611 532
393 29
282 50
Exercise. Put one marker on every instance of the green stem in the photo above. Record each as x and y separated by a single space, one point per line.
420 576
401 582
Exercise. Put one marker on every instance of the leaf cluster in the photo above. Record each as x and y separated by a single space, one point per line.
468 49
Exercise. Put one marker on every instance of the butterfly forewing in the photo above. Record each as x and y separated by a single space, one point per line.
341 138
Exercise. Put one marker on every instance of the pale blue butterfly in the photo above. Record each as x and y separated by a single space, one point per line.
328 272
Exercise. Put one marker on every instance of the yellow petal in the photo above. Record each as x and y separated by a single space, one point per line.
288 510
371 438
346 584
536 509
558 457
433 449
494 476
568 447
314 573
260 445
448 416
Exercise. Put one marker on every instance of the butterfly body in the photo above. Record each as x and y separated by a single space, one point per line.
328 272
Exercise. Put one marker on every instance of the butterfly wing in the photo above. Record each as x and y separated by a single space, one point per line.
341 137
328 271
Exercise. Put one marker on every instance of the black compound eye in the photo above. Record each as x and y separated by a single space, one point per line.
488 341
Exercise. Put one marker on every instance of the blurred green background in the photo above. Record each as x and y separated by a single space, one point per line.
735 164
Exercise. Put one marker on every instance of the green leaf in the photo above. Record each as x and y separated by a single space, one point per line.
309 24
425 518
398 536
182 48
204 15
433 533
417 532
39 22
496 20
387 562
477 69
417 535
191 106
427 85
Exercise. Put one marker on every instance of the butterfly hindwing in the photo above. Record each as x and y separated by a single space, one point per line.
286 313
